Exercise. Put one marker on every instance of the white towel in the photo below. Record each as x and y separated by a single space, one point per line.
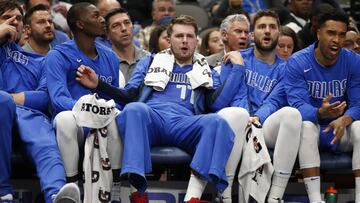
160 70
94 113
200 75
256 169
97 168
158 74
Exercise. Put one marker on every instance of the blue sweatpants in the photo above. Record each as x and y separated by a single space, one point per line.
207 137
7 118
38 135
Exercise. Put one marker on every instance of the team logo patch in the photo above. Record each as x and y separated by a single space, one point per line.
258 174
96 142
103 132
105 164
95 175
104 196
257 145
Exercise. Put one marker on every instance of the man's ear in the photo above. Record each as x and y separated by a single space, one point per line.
79 24
27 29
224 36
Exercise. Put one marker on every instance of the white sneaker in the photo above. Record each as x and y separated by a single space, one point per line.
69 193
7 197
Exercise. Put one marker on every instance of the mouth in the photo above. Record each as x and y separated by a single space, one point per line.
49 33
242 44
267 40
334 50
125 36
184 49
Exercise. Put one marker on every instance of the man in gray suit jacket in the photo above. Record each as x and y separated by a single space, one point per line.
235 35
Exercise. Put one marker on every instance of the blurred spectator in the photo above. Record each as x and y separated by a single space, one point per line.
160 10
352 41
24 38
40 29
287 43
224 8
333 3
211 43
159 39
299 14
105 6
307 35
219 9
60 36
234 34
120 33
139 10
58 11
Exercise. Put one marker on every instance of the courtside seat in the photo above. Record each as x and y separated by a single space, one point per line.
332 161
195 10
169 155
170 163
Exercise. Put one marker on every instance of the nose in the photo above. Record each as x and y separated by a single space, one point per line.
221 43
243 35
48 24
123 27
336 39
267 29
15 22
184 39
286 49
101 19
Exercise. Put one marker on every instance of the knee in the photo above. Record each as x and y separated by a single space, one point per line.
291 115
136 108
310 133
236 117
65 122
213 119
218 123
234 114
355 132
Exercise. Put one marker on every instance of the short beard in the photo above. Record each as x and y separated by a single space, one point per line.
266 49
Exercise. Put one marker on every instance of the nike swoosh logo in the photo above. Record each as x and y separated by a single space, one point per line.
314 178
78 60
307 70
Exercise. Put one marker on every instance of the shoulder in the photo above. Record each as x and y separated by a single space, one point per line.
350 59
139 53
214 58
302 57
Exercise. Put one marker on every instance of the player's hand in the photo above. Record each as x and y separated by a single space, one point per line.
331 110
234 57
255 121
8 31
87 77
338 127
